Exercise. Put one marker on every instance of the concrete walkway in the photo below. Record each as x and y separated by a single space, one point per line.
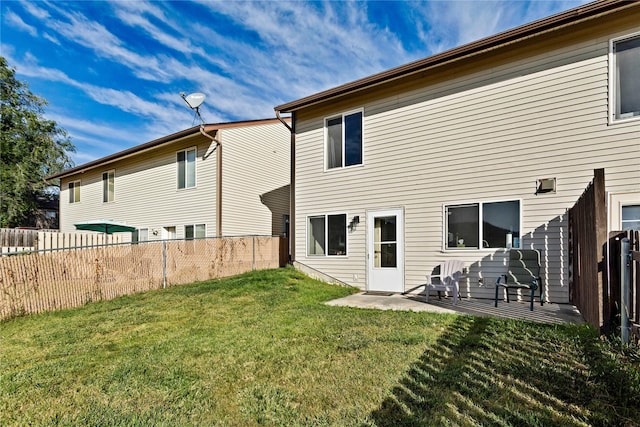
548 313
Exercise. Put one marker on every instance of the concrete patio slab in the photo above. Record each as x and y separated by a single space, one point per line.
548 313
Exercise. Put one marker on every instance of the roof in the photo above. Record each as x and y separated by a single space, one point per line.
210 127
554 22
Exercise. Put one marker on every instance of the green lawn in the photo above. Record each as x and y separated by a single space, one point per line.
263 349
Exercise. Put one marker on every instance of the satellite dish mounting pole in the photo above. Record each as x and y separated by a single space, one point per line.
194 101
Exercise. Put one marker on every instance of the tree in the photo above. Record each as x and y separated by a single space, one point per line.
31 148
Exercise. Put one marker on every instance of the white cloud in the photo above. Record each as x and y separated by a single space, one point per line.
182 45
76 28
305 48
16 22
35 11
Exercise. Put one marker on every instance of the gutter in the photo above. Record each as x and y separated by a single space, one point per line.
292 185
218 148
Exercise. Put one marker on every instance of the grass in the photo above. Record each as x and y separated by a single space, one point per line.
263 349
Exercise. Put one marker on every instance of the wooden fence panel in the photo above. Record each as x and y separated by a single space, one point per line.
13 237
587 247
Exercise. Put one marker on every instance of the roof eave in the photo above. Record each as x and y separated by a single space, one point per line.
131 151
570 17
169 139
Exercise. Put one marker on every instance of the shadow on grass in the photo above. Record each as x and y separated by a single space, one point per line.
485 371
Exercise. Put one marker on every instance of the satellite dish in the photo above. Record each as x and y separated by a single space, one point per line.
195 100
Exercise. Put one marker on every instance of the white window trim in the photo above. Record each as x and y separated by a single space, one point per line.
612 82
195 166
326 140
616 201
326 235
480 203
114 185
76 183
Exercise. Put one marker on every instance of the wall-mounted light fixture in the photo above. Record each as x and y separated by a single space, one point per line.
354 221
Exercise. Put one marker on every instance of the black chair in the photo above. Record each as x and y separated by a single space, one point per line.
523 273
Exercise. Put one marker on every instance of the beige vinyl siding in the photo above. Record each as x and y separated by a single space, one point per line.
255 179
484 130
255 185
146 193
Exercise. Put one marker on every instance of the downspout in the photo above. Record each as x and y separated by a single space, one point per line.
218 148
292 186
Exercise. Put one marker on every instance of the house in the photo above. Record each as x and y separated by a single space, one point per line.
210 180
470 152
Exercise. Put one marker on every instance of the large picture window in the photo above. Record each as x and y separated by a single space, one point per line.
108 182
74 192
626 77
327 235
186 160
344 140
483 225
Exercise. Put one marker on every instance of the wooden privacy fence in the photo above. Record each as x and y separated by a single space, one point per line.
587 252
43 281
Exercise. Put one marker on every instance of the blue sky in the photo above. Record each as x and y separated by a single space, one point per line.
112 72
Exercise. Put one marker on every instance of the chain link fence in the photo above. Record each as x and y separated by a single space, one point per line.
44 280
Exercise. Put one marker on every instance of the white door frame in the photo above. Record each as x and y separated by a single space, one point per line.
387 279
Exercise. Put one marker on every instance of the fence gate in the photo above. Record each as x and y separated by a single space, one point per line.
587 254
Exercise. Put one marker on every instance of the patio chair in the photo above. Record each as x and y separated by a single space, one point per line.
523 272
446 280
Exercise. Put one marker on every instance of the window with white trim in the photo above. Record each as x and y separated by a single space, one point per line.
186 160
197 231
108 182
327 235
483 225
343 145
625 54
74 192
630 218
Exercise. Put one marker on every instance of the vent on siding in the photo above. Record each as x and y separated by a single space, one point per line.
546 185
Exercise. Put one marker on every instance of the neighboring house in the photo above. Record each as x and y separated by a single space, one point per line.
469 152
167 188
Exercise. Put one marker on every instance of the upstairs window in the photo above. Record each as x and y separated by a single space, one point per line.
483 225
344 140
626 77
186 160
74 192
108 181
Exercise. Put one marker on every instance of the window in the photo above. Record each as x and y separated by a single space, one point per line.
494 224
108 179
631 217
169 232
197 231
141 235
626 77
285 225
186 168
344 140
327 235
74 192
